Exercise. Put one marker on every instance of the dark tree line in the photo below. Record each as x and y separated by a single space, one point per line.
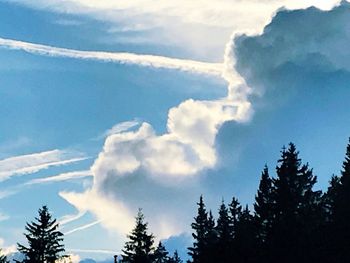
290 221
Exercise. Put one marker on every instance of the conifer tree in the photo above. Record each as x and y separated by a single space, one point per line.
246 238
161 254
139 248
341 216
235 211
44 240
224 235
199 252
175 258
295 205
263 206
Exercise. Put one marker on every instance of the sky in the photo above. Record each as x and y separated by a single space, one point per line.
110 106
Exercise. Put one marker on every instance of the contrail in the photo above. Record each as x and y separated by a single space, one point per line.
120 57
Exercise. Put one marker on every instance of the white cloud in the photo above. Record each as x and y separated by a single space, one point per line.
61 177
200 26
6 250
83 227
32 163
118 128
122 58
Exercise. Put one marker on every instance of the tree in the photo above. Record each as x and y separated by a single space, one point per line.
246 238
160 254
224 235
175 258
139 248
44 240
340 192
3 258
263 206
295 208
199 252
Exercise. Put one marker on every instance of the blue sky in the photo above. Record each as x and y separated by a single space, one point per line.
111 106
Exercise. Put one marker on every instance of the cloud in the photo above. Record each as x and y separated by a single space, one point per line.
198 26
32 163
122 58
61 177
4 217
294 47
70 218
118 128
7 250
83 227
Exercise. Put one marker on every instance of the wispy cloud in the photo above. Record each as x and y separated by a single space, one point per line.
32 163
97 251
70 218
61 177
122 58
83 227
118 128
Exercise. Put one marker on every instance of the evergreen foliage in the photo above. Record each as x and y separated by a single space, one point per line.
161 254
44 240
139 248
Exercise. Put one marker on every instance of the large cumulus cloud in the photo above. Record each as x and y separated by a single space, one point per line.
295 47
141 168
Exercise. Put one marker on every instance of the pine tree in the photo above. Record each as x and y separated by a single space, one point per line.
263 206
341 216
3 258
175 258
296 204
246 238
139 248
161 254
199 252
224 235
44 240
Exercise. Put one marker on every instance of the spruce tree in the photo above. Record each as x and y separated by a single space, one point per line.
44 240
161 254
263 206
341 216
199 252
224 235
175 258
246 238
139 248
295 206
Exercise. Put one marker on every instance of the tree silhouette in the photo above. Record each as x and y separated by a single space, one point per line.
295 201
161 254
44 239
139 248
224 235
175 258
199 251
340 194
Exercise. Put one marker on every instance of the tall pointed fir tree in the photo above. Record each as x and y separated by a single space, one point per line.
139 247
295 206
224 235
161 254
199 251
341 217
44 240
263 213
